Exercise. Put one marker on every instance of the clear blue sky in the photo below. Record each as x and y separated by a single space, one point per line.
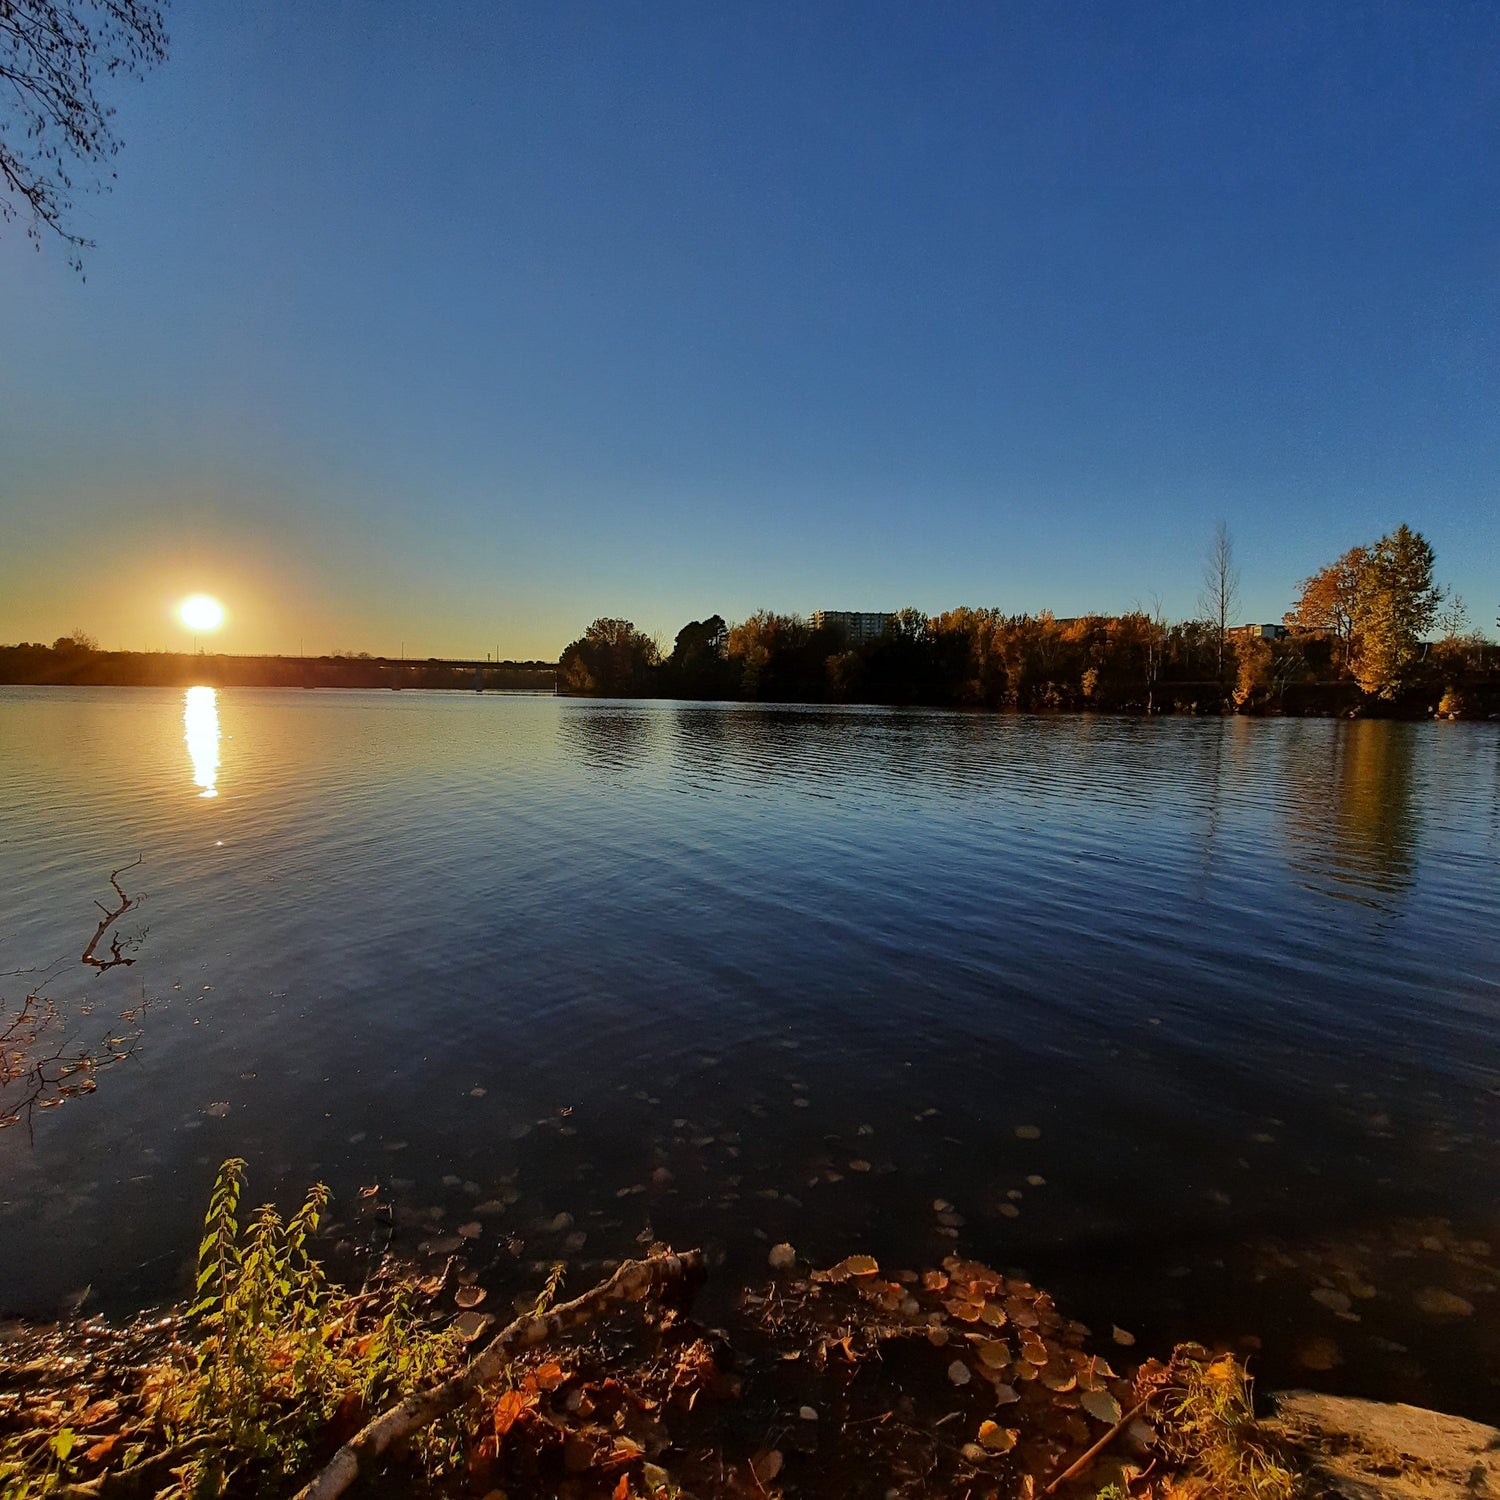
459 324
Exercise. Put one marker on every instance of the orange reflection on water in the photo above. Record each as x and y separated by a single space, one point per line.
200 724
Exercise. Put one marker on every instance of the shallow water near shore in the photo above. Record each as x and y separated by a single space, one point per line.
1193 1020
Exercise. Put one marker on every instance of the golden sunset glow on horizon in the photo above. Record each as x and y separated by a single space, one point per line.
201 612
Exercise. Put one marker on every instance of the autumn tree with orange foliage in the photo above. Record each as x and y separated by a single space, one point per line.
1329 601
1377 602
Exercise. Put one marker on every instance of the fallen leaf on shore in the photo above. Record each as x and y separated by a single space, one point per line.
1101 1406
997 1439
767 1466
468 1326
507 1409
851 1265
469 1296
1121 1337
782 1257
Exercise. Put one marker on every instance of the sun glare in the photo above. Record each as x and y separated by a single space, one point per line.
201 612
200 723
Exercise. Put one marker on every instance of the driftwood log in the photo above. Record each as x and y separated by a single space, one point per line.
634 1281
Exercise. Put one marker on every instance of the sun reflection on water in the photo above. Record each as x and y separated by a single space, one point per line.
200 723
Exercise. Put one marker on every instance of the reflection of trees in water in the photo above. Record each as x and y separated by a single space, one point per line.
608 737
820 749
1068 760
765 745
1352 808
700 740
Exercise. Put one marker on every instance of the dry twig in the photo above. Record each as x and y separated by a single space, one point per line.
110 918
634 1281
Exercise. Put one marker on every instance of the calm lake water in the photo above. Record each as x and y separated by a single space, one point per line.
1192 1019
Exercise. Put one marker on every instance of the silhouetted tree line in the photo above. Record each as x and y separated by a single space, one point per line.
76 660
1368 655
973 658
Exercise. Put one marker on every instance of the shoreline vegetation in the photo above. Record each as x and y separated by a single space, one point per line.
1370 635
983 660
1355 643
283 1379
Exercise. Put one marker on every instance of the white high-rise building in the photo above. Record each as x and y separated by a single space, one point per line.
860 626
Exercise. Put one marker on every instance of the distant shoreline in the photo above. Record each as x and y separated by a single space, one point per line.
63 666
44 666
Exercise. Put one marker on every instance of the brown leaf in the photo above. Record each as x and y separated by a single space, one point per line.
469 1325
851 1265
994 1354
1438 1303
766 1466
997 1439
1101 1406
104 1449
507 1409
579 1453
967 1312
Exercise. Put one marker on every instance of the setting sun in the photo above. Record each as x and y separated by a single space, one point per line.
201 613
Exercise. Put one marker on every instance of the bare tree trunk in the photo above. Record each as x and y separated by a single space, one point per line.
1221 588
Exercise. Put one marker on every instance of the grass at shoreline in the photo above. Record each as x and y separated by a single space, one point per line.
837 1382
